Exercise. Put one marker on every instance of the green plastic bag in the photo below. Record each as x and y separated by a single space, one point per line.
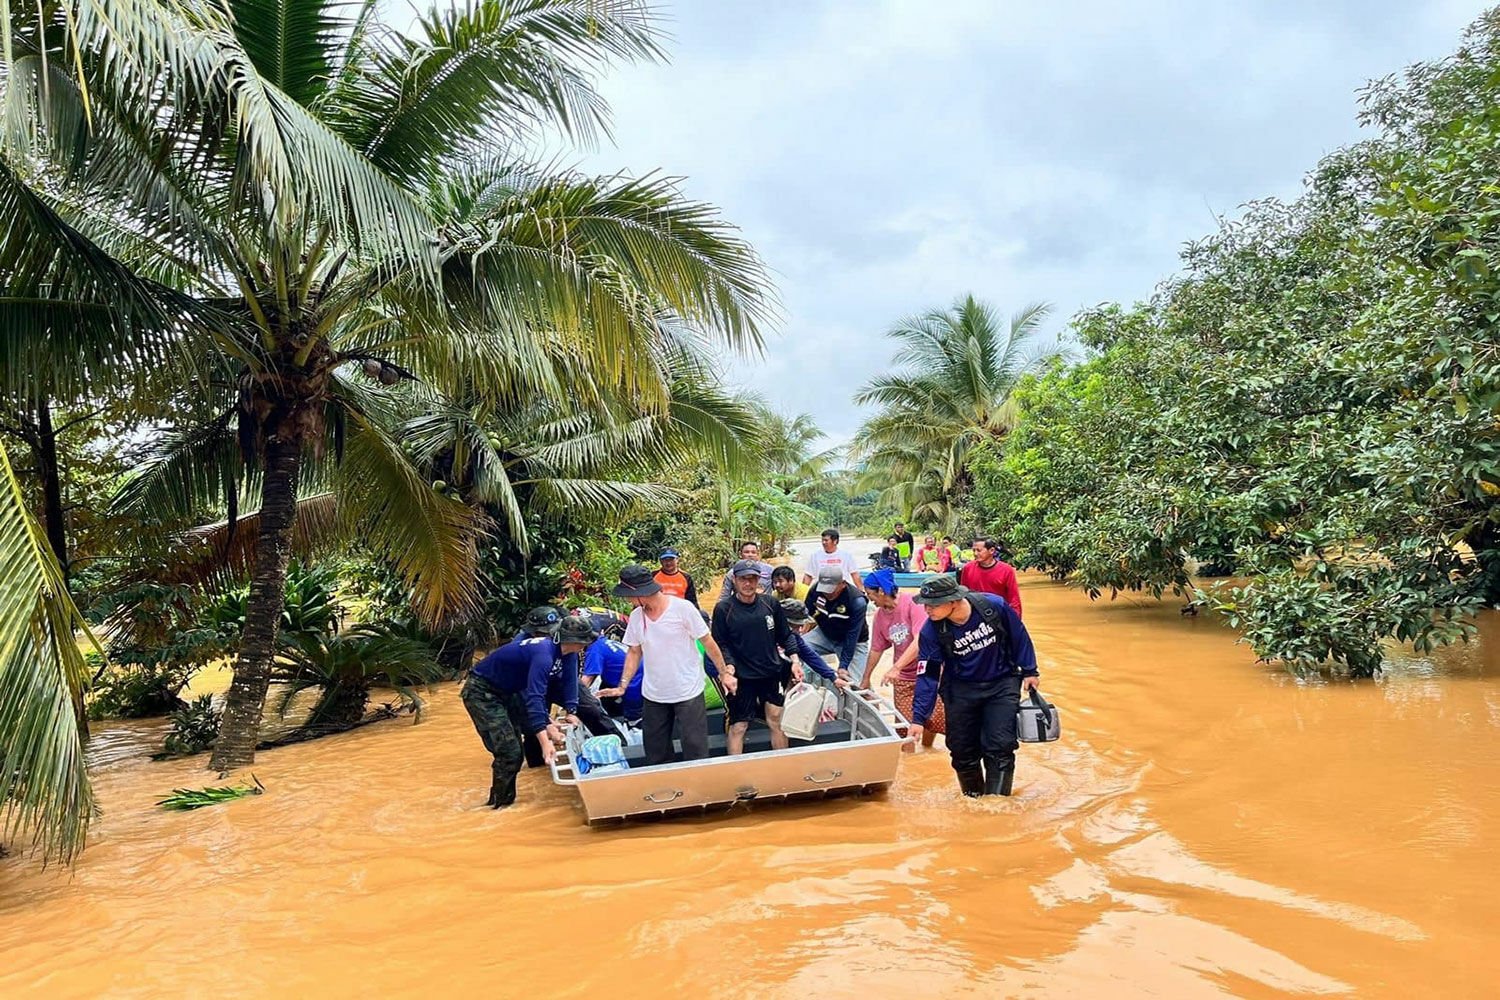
711 696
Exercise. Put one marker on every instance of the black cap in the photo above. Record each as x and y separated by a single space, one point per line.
636 581
941 590
542 621
745 567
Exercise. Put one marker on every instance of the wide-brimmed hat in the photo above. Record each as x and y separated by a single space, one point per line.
636 581
795 611
542 621
576 628
941 590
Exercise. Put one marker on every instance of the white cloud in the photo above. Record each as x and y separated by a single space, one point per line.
888 157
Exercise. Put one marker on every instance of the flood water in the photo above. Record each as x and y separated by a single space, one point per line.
1207 827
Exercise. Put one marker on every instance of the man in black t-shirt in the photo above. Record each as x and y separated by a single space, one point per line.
905 544
751 629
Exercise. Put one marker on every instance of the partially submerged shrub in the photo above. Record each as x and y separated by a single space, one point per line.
194 727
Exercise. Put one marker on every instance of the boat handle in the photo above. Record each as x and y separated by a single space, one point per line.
562 763
652 796
825 778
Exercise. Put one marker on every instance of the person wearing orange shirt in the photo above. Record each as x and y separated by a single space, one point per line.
673 580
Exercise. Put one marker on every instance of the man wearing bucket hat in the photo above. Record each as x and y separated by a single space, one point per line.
509 693
799 620
975 654
666 630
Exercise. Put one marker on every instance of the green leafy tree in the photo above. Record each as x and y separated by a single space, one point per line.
44 785
1313 398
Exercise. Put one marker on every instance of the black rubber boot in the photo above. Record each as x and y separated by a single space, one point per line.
997 780
498 799
971 782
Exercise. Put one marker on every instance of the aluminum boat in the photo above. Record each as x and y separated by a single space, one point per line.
858 751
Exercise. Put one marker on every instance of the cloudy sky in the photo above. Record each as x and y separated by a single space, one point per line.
887 156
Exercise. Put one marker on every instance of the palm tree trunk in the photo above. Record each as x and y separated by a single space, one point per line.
252 669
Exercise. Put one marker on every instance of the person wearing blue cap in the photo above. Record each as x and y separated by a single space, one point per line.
673 580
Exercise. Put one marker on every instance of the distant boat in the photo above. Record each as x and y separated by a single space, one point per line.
858 751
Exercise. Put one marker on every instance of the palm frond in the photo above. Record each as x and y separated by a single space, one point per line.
223 554
601 495
192 472
76 315
480 74
293 43
429 539
44 785
596 260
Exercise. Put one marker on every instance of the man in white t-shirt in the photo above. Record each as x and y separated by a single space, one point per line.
832 555
666 630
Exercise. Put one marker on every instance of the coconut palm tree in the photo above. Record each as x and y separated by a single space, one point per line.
789 452
339 214
957 368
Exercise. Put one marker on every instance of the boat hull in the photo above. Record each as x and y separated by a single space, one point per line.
858 751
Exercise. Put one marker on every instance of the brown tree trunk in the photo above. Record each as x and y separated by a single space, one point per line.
240 728
44 451
52 501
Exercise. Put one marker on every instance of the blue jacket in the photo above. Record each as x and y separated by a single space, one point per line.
980 655
810 658
536 667
841 620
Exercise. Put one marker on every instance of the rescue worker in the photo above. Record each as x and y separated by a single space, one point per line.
604 661
665 632
509 693
784 584
800 621
750 551
989 574
976 656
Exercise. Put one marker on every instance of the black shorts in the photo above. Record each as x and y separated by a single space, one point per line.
751 698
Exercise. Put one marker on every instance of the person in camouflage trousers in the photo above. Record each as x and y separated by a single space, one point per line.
501 721
510 692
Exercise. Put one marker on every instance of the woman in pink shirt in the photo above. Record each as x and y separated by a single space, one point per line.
898 619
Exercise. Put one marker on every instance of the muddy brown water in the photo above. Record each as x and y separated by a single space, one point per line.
1207 827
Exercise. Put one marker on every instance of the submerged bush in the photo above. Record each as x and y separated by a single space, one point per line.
194 727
